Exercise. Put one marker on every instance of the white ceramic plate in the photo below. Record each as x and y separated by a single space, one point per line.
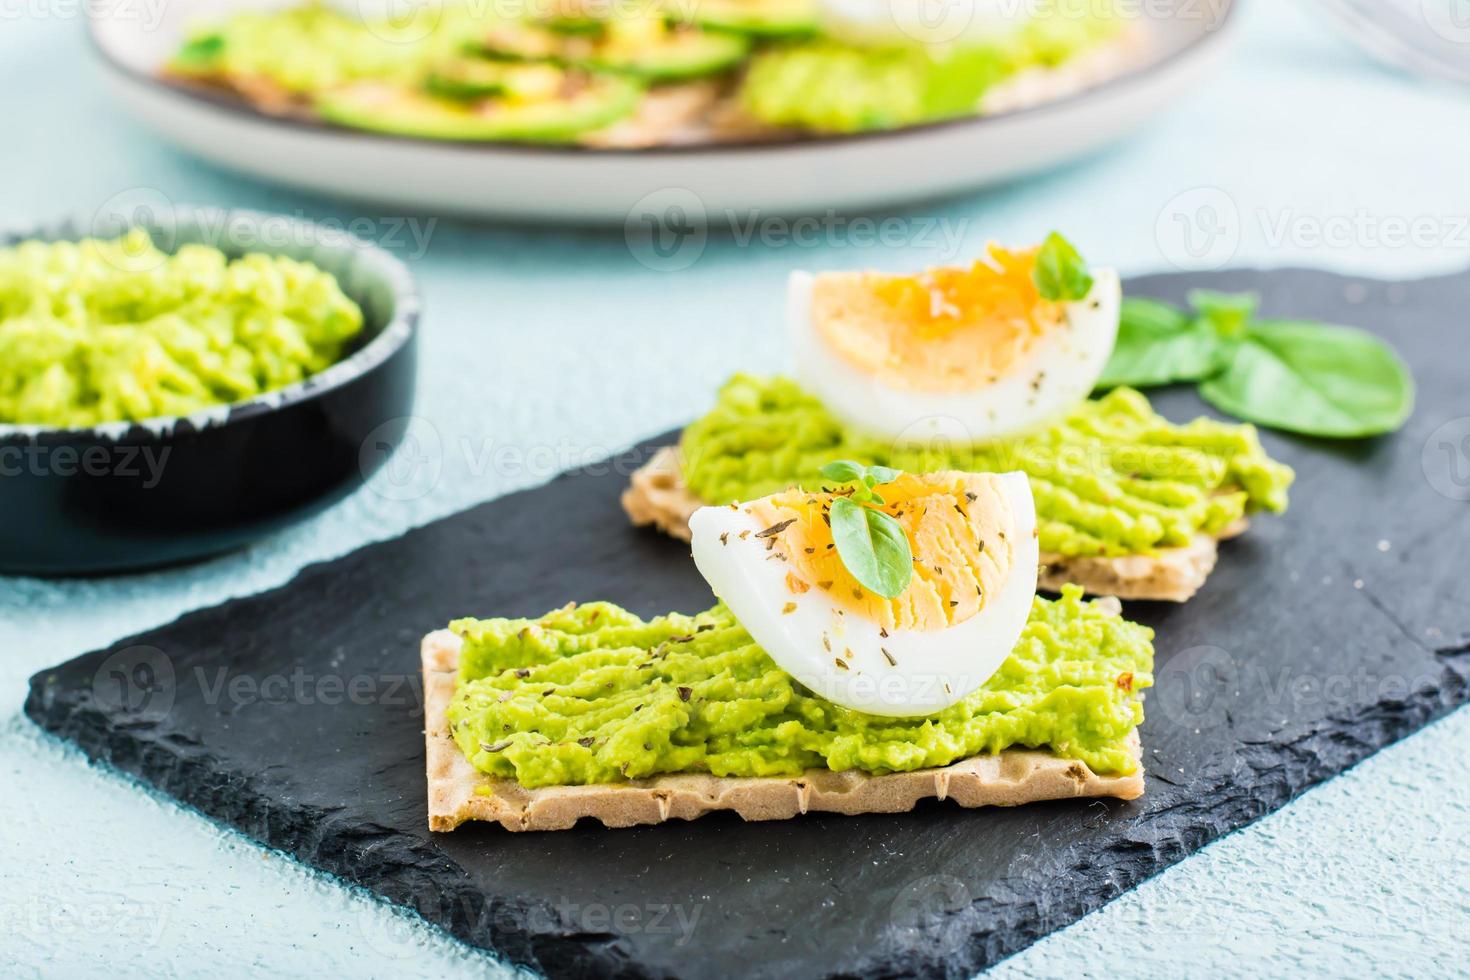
576 184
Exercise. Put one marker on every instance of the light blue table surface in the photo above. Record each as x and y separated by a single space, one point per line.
556 346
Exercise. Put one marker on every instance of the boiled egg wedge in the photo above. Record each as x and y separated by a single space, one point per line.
962 354
774 563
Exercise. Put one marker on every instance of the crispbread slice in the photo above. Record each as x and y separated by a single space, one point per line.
259 91
657 495
670 115
1133 47
459 792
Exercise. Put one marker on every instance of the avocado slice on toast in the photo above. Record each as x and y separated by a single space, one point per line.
586 102
648 49
761 19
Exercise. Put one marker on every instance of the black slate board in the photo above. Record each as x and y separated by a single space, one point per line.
1281 674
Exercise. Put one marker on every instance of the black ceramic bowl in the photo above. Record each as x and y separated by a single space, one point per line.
137 495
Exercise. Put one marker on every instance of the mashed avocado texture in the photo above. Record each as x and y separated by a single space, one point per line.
593 694
106 331
831 86
313 47
1111 478
799 75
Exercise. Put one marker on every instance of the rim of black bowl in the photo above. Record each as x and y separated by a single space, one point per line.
235 105
399 329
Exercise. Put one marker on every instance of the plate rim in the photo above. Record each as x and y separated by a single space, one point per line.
233 105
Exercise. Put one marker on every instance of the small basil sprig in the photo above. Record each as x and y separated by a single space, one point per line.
870 543
1060 273
1299 376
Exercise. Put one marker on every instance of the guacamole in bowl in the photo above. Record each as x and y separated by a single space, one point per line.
182 386
117 330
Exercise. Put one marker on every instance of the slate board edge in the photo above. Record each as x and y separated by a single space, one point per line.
157 790
171 772
308 835
1332 747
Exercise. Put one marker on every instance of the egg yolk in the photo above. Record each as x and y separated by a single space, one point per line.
960 528
943 330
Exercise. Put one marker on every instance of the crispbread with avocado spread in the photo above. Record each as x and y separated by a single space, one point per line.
658 496
458 792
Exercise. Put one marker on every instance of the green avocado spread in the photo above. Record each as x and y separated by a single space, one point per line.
425 74
1111 478
830 86
593 694
311 48
788 68
109 331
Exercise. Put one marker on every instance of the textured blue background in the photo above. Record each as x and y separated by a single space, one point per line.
544 348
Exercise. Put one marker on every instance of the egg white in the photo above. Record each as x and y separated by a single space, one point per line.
932 669
1060 370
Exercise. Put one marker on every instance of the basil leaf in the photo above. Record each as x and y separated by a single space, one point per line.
1159 345
1060 273
873 546
1314 379
201 53
1227 314
844 471
883 474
